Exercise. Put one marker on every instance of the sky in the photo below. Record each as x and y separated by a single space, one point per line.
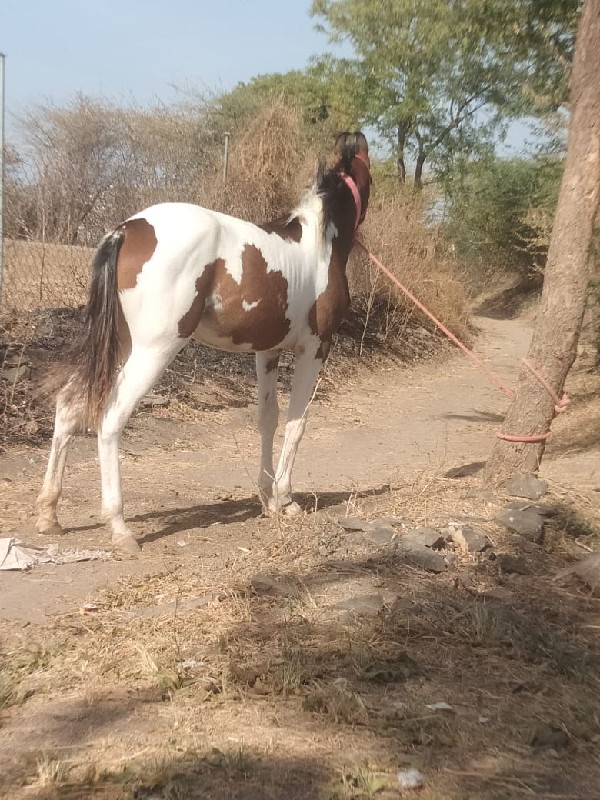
152 50
147 50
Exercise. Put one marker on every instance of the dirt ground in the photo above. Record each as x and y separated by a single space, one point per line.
246 657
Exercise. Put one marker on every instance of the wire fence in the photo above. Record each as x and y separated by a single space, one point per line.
43 289
38 275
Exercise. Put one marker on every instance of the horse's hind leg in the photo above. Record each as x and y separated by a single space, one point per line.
141 371
67 421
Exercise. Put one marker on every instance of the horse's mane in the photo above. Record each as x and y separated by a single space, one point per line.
327 189
330 184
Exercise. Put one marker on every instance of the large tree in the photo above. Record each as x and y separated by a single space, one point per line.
437 77
568 268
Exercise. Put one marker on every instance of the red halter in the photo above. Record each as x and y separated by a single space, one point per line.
350 183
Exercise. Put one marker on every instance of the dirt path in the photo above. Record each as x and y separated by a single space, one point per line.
244 657
184 481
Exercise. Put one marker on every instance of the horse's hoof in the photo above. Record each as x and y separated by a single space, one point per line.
125 543
53 529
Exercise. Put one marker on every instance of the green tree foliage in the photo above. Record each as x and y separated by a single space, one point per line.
437 78
499 215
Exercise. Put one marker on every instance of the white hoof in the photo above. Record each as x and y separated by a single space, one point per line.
49 529
125 543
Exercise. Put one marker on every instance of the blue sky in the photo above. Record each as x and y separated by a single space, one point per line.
141 50
145 51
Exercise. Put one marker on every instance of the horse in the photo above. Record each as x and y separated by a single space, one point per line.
177 271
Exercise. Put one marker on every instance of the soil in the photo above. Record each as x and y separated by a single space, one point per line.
378 445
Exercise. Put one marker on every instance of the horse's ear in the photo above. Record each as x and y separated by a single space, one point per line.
349 144
361 144
340 144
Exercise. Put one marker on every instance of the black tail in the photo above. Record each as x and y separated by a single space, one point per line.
97 356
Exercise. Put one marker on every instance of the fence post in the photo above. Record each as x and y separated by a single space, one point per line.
226 157
2 59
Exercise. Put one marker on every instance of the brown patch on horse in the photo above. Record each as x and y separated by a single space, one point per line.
272 364
251 313
139 244
323 350
329 308
191 319
288 230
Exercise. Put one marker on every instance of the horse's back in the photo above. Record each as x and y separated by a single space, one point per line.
185 270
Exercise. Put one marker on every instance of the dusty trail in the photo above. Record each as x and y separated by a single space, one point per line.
192 677
185 482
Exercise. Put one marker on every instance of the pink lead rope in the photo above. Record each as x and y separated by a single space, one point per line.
349 181
560 403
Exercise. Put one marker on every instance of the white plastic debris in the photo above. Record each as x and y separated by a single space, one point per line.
411 779
440 707
15 556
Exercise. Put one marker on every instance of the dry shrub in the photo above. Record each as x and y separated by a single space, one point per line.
270 166
397 232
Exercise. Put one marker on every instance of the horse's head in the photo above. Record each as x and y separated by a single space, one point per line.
352 153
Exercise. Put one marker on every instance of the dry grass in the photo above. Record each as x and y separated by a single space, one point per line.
398 233
253 695
271 166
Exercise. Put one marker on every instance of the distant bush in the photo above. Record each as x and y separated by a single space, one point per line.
499 216
91 164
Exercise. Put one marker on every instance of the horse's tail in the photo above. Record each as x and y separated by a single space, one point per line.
97 356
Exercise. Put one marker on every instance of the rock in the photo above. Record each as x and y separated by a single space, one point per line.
588 570
354 524
526 486
549 736
511 564
395 522
154 400
421 537
16 373
361 604
469 540
542 509
428 560
382 534
271 585
465 470
525 521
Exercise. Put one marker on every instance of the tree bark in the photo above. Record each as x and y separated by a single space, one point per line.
421 156
568 269
400 163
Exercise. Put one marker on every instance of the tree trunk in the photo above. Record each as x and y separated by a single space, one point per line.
568 269
400 163
421 156
419 170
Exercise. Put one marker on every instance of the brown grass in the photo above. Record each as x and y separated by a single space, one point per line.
397 232
271 166
254 696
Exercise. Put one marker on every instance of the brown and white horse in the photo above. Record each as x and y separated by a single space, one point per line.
177 271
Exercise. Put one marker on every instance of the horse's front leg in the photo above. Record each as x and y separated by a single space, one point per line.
309 361
267 364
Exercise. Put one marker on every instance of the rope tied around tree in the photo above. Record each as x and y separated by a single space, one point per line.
560 404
